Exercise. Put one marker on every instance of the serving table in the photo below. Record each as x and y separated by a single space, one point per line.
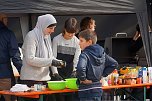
39 94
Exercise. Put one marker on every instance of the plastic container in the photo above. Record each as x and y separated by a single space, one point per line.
104 81
37 87
150 74
144 74
56 85
130 81
139 80
140 72
116 79
71 83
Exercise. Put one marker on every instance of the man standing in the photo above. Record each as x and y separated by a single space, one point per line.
9 51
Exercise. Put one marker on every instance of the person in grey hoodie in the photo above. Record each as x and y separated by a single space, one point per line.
37 52
92 65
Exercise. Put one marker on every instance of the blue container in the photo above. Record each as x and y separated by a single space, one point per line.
140 72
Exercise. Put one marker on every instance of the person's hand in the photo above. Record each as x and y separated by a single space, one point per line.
86 82
74 74
58 63
56 77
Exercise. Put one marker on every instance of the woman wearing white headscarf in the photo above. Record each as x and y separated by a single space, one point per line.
37 52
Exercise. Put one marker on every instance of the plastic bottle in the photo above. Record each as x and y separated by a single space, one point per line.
109 80
150 74
140 73
116 79
144 75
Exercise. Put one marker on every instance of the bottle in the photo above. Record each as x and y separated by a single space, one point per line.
144 75
140 72
150 74
115 71
116 79
139 80
109 80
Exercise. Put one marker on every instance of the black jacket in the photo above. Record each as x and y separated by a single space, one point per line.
8 51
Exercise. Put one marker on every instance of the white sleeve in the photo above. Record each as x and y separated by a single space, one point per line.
54 49
76 56
29 50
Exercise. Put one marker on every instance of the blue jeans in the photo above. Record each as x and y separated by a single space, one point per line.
91 99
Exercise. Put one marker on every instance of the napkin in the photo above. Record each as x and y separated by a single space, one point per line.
19 88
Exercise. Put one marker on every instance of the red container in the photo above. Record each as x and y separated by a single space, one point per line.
139 80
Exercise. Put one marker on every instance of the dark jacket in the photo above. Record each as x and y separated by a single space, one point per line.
8 51
93 64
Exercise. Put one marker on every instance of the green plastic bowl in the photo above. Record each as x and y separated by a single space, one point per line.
71 83
56 85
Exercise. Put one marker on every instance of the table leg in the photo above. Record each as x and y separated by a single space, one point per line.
125 91
24 99
20 99
41 98
144 93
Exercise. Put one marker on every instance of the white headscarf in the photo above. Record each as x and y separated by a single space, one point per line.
43 22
